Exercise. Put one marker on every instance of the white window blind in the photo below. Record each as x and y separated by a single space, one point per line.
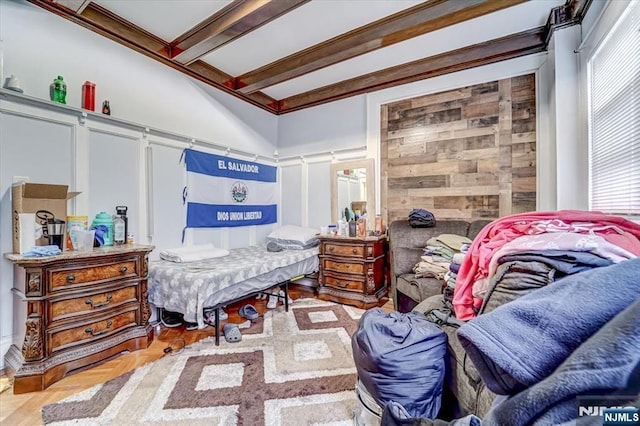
614 118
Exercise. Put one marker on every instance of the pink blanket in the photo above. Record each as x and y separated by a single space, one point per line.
614 229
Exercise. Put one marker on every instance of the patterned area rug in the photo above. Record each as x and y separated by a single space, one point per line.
291 368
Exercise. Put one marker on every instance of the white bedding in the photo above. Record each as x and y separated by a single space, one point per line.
189 287
193 253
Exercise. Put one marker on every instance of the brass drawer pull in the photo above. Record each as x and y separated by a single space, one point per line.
123 270
71 278
90 331
331 248
99 305
355 251
343 285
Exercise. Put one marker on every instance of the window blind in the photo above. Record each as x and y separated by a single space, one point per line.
614 118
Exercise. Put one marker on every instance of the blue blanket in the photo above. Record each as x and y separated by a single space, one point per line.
606 364
524 341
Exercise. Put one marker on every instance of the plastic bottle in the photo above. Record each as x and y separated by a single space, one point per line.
58 90
104 218
342 227
122 212
119 233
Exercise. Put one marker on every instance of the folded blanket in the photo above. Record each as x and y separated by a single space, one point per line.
193 253
607 364
524 341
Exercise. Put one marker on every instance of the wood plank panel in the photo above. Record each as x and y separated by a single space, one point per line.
428 169
480 165
435 192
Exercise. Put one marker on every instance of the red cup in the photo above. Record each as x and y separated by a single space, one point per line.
89 96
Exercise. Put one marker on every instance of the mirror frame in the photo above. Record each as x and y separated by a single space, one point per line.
355 164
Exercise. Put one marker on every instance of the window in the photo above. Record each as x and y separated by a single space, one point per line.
614 117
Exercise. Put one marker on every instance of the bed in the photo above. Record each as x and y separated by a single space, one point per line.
190 287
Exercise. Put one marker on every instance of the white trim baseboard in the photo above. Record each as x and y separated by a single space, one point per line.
5 344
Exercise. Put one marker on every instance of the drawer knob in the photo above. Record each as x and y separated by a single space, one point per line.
354 251
123 270
330 248
90 331
71 278
101 304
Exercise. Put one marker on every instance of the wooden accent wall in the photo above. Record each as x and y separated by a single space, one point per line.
465 153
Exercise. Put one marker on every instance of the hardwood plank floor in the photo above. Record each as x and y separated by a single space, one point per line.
25 409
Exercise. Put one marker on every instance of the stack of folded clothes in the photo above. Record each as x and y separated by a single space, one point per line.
442 258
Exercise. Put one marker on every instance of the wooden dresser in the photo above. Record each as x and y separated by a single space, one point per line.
76 309
353 270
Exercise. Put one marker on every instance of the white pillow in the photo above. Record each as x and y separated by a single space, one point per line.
294 237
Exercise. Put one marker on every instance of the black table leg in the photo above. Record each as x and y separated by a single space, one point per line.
286 296
217 324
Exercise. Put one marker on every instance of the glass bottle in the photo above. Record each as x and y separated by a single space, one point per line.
59 90
352 227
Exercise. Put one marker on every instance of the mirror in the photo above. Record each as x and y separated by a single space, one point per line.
352 187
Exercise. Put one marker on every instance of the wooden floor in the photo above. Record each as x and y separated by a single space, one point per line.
25 409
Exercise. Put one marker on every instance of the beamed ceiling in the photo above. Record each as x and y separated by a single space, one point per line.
286 55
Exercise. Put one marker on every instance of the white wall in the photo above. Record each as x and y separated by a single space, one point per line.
333 126
38 46
571 152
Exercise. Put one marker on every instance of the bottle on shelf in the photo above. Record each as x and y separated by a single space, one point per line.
106 109
58 90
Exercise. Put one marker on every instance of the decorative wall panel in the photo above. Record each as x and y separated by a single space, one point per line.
463 154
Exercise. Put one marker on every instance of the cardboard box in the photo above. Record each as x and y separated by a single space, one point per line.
30 197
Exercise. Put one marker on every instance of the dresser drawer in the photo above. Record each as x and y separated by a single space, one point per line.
65 279
348 267
344 283
92 302
344 250
60 338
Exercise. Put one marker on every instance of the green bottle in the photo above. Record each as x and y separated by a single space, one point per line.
58 90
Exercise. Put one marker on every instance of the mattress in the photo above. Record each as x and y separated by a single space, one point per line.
190 287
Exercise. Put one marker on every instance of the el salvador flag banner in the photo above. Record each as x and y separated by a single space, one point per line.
225 192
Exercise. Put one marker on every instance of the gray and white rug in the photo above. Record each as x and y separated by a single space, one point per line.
296 369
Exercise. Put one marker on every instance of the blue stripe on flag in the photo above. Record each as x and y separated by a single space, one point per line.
217 165
217 215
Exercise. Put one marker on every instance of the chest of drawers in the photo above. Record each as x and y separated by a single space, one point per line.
76 309
353 270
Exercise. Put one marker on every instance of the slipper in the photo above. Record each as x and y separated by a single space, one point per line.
248 312
290 300
232 333
273 301
210 316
